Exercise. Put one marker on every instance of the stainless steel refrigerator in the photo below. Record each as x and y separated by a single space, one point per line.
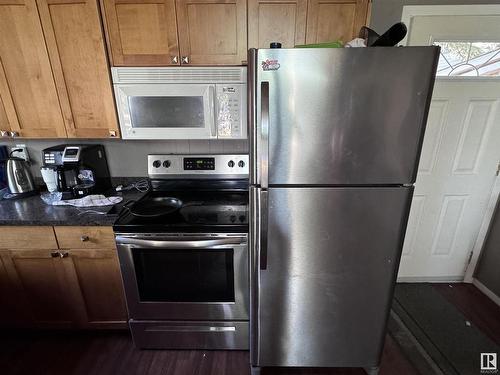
335 141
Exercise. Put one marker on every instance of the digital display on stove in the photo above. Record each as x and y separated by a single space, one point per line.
199 164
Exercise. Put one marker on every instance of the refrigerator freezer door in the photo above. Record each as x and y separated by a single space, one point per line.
349 116
332 255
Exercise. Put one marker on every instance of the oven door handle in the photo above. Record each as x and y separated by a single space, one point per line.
194 244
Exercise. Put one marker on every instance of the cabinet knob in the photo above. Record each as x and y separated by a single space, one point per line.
84 238
185 59
174 59
54 254
13 134
64 254
4 133
113 133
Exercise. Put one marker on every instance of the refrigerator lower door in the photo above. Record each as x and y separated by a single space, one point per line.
323 296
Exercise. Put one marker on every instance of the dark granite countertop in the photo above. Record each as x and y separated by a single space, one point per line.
34 211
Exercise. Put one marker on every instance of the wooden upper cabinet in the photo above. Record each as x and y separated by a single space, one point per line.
282 21
212 32
141 32
27 88
331 20
77 52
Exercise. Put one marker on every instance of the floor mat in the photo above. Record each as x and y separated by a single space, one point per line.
453 343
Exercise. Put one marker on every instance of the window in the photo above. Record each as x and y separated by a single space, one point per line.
469 59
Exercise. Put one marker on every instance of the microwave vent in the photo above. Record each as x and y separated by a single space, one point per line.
180 75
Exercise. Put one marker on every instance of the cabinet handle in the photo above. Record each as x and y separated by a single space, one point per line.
84 238
185 59
174 59
54 254
64 254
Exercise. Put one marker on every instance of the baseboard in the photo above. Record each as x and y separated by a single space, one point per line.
430 279
479 285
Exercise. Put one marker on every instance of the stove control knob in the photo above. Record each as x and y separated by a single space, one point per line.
157 164
166 163
241 164
230 164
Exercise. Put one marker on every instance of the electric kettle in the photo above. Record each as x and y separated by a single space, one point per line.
18 176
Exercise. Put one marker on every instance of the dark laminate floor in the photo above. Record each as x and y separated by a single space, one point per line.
93 353
103 353
475 306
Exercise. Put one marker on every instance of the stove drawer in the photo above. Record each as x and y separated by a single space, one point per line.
225 335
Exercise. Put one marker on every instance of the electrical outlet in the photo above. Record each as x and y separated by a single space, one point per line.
23 154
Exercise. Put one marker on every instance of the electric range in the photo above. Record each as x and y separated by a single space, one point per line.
183 251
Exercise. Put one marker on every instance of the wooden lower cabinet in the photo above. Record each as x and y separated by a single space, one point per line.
97 281
60 288
37 278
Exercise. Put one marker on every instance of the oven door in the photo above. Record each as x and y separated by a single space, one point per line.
185 277
166 111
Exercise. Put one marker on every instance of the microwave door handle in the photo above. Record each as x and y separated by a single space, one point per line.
194 244
213 111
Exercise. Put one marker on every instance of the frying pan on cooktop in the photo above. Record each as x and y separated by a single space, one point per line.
153 207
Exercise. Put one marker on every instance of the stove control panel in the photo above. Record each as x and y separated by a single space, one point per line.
198 166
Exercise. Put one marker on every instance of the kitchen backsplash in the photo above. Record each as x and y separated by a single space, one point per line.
129 158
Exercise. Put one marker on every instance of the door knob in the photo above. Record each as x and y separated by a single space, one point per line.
174 59
185 59
84 238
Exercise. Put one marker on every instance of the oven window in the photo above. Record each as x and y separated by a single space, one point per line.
184 275
166 111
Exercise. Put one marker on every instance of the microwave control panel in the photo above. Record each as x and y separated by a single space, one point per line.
231 111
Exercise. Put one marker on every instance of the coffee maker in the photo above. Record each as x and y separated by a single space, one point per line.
79 170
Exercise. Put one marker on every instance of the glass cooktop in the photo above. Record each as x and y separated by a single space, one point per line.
187 210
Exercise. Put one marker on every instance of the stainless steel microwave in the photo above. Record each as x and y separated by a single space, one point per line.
181 103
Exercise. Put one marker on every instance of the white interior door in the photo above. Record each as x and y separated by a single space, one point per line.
461 149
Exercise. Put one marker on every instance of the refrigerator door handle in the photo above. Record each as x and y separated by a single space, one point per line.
264 134
263 229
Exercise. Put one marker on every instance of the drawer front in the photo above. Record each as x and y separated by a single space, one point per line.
85 237
193 335
27 237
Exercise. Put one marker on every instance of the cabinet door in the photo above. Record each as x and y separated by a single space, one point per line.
331 20
75 43
282 21
212 32
141 32
40 273
13 312
98 274
26 74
